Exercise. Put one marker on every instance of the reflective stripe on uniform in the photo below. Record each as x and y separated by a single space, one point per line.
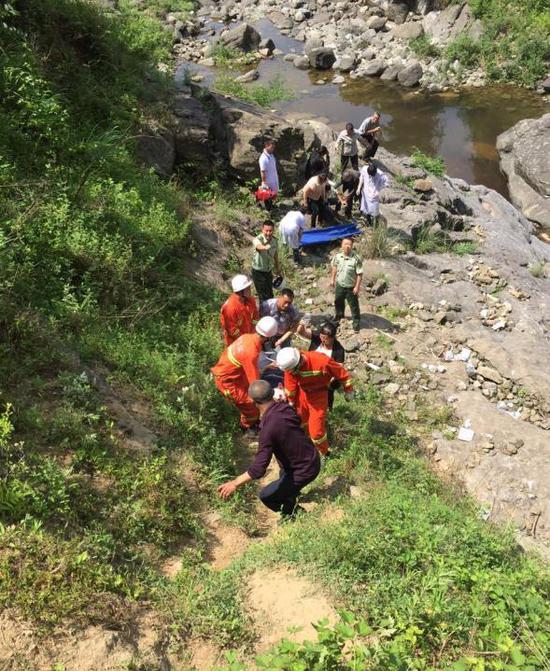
309 373
227 393
232 358
318 441
347 384
290 393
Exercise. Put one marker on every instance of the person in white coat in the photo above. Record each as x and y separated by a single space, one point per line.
371 182
290 231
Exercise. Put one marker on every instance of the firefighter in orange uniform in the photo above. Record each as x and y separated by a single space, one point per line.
240 311
237 368
307 379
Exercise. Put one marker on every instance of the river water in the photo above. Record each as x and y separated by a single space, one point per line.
460 126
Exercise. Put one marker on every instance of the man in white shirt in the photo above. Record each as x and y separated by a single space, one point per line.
347 145
290 230
268 172
369 130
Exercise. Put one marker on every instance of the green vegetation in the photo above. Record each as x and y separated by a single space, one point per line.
229 57
263 95
430 241
423 47
433 164
424 583
91 271
515 46
537 268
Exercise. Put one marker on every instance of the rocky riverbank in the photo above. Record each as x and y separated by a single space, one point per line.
472 335
394 40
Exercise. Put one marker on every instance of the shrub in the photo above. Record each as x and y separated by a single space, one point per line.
433 164
259 94
423 47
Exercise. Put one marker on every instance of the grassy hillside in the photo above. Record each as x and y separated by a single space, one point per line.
92 249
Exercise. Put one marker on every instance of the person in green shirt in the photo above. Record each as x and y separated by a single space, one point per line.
264 261
346 276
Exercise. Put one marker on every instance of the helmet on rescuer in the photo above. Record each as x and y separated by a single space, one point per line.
288 358
240 282
267 327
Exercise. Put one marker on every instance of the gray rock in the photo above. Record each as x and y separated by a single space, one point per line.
545 85
390 73
397 12
158 151
338 79
374 68
376 22
247 77
268 44
282 21
345 63
301 62
490 374
408 31
410 75
524 152
243 37
322 58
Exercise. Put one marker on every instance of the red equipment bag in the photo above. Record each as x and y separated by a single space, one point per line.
265 194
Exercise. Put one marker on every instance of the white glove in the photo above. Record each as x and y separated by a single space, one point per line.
349 395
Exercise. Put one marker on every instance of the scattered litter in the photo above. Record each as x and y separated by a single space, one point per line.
484 313
309 301
467 423
501 324
452 399
373 366
466 434
463 355
433 368
471 370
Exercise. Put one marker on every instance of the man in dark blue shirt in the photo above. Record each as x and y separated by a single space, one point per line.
280 435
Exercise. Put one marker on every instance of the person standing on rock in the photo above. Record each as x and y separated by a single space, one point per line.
347 146
268 172
265 261
314 195
369 129
240 311
281 436
346 277
308 376
291 228
371 182
237 368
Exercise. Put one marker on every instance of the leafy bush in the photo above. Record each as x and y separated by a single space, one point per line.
228 57
424 47
433 164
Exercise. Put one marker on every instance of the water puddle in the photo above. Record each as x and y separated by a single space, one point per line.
461 126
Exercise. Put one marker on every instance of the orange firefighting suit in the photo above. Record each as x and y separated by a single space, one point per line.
236 369
306 387
237 317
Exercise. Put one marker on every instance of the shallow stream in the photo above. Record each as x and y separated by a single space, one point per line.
461 126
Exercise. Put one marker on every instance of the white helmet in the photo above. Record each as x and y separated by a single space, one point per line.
267 327
240 282
288 358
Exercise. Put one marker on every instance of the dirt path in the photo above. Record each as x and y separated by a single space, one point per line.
284 605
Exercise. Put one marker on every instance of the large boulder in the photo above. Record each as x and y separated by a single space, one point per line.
450 23
243 37
192 132
321 58
240 132
524 152
410 75
408 31
396 11
374 68
157 150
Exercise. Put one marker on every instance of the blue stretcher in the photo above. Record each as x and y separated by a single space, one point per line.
321 236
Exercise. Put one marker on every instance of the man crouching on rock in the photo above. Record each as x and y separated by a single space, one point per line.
281 435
